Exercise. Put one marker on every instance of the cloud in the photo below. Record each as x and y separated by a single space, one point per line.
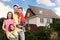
6 0
57 10
4 9
45 2
58 2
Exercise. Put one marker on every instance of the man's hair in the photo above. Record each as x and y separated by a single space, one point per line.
15 6
20 8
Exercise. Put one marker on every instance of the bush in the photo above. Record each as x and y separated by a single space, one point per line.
1 35
38 34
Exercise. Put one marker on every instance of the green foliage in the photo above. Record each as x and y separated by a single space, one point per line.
1 22
1 35
56 24
39 34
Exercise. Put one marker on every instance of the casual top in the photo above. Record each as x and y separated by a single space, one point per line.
10 35
22 18
7 23
15 16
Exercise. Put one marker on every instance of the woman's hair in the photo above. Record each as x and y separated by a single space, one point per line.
10 27
11 14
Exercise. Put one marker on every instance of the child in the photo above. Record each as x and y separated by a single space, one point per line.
12 34
21 18
21 23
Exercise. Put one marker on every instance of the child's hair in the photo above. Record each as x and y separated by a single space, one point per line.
20 8
10 27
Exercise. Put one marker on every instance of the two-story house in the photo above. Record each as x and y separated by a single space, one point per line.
40 16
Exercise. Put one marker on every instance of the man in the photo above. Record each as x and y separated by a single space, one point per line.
15 16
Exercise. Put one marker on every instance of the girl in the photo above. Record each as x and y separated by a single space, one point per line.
12 34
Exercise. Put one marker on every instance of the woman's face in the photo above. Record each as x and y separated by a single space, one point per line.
12 28
9 15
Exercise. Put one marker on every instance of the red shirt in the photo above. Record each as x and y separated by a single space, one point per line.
22 18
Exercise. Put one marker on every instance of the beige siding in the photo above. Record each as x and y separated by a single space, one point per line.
37 21
33 21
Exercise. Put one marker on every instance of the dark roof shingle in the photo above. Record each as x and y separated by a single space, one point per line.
43 12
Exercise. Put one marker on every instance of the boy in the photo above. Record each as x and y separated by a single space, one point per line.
21 18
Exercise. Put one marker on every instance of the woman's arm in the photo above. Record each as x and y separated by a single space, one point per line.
3 27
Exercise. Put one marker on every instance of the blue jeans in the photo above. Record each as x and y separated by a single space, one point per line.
22 35
22 23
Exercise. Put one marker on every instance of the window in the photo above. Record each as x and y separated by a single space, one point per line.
41 20
48 20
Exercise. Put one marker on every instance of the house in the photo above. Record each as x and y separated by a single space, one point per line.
39 16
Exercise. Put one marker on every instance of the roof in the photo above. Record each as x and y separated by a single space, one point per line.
43 12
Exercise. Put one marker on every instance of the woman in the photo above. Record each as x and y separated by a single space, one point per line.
7 22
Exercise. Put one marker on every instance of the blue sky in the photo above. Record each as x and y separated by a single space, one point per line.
7 5
25 3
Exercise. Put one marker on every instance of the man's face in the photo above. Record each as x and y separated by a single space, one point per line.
15 9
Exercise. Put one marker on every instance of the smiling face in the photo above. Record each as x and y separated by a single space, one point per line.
15 8
12 28
10 15
20 9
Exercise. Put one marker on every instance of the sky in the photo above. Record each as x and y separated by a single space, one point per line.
7 5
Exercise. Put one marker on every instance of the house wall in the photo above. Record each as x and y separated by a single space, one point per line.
45 22
39 23
36 21
33 21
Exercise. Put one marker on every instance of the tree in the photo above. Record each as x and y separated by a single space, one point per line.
1 22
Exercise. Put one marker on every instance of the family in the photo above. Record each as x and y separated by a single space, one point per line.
13 25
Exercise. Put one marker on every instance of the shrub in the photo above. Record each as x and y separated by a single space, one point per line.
38 34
